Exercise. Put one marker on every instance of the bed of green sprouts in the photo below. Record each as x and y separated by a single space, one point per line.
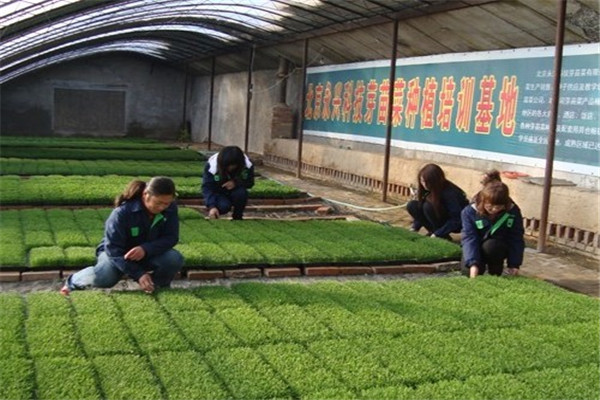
440 338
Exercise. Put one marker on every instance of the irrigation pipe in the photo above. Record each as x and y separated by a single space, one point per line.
341 203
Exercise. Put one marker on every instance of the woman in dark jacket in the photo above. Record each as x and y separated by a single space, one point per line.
438 205
138 240
227 177
492 232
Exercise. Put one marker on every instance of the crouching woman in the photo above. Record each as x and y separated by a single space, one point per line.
492 232
138 241
439 203
227 177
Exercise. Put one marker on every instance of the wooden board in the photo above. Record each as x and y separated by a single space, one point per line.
413 42
526 19
548 9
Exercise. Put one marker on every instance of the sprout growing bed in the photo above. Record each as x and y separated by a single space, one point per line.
62 238
100 153
83 143
501 338
101 190
29 166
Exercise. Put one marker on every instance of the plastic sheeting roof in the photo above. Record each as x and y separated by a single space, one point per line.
38 33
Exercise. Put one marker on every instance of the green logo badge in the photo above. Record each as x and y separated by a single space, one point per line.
510 222
135 231
479 224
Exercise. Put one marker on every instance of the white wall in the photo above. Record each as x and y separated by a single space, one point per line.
229 108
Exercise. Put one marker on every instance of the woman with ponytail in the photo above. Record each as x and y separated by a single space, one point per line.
487 177
492 231
438 205
138 241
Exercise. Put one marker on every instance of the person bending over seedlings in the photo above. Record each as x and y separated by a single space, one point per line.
138 241
227 177
438 205
492 232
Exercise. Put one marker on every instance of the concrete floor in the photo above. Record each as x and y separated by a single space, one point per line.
570 271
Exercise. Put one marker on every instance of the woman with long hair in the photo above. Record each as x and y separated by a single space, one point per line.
492 231
139 237
438 204
227 177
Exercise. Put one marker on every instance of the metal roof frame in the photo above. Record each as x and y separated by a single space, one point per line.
193 29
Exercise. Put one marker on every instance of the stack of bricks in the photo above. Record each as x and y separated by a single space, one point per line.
315 271
259 272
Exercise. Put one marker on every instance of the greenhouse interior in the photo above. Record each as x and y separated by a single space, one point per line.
299 199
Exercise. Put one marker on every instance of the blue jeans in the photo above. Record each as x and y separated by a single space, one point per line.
105 273
236 198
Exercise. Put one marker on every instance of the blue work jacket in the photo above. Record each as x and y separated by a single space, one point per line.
477 228
129 225
212 182
453 200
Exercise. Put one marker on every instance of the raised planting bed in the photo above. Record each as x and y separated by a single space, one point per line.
83 143
437 338
64 238
29 166
55 153
101 190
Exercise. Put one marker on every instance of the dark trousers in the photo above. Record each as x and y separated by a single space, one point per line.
424 215
236 199
493 254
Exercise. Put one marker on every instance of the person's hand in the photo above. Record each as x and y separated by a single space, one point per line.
146 283
213 213
473 271
513 271
135 254
229 185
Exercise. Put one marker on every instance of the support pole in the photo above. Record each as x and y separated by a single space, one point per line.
388 133
558 52
302 109
211 100
282 74
248 99
185 98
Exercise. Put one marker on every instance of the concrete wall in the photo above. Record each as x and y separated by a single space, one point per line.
570 206
154 95
229 108
583 181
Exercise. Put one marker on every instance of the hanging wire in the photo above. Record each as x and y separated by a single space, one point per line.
349 205
292 71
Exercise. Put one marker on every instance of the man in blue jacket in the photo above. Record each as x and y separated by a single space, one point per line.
139 237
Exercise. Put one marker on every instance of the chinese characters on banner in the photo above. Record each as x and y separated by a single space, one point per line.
490 105
421 102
